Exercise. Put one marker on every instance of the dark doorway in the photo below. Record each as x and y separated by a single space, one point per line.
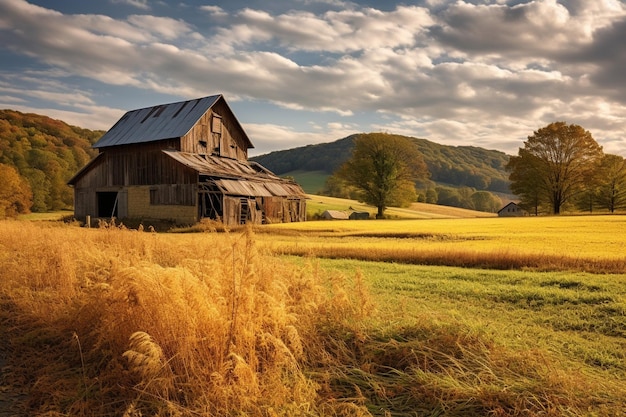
107 204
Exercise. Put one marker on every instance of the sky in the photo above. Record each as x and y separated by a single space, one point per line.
484 73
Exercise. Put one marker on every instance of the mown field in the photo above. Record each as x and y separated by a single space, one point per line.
435 317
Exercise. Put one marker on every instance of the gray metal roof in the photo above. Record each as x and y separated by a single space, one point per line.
165 121
238 177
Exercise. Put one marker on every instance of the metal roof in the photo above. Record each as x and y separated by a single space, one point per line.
164 121
238 177
217 166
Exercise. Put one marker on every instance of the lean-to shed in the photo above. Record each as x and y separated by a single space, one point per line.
183 162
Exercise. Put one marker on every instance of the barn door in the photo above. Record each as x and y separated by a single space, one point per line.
112 204
122 204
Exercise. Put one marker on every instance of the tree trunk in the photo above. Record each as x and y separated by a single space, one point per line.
381 212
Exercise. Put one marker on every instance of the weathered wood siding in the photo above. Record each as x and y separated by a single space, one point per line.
284 210
135 165
216 134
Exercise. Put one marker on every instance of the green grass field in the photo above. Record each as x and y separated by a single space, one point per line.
312 182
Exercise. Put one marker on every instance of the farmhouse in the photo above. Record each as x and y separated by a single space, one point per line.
511 210
183 162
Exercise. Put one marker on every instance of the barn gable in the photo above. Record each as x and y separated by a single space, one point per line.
183 161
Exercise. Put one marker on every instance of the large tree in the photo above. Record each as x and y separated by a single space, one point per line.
554 165
384 169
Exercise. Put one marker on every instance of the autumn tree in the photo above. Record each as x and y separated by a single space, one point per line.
611 183
485 201
384 168
554 165
15 194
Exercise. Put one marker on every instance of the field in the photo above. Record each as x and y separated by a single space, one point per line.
433 317
316 205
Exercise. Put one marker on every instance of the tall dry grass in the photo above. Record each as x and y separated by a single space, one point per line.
119 322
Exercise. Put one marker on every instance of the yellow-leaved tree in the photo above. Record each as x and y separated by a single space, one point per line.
15 194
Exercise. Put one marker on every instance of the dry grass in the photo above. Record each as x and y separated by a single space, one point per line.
113 322
119 322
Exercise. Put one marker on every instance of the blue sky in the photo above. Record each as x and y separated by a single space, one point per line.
460 72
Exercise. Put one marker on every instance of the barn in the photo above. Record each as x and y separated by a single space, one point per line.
183 162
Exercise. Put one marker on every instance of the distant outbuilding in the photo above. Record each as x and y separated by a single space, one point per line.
359 215
335 215
512 210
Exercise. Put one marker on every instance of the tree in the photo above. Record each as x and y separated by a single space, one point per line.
15 194
486 201
611 177
554 165
384 169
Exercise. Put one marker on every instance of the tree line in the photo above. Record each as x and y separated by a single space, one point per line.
38 155
561 167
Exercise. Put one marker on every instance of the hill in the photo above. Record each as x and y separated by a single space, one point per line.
317 204
469 166
47 153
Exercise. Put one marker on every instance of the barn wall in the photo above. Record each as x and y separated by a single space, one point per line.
135 165
284 210
216 133
84 203
139 207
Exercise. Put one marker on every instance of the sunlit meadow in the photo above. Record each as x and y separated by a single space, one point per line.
447 317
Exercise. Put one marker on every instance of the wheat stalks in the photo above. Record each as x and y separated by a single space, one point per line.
82 359
144 356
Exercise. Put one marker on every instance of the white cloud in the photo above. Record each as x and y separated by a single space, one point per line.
140 4
214 11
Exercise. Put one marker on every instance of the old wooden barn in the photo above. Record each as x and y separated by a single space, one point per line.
183 162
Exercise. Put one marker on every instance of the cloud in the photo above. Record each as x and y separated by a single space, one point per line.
452 71
140 4
272 137
214 11
333 31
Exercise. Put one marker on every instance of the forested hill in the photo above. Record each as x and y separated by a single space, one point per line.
47 153
470 166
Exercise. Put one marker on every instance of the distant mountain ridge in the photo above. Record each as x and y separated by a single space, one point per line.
458 166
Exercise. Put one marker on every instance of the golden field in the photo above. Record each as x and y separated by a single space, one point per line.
589 243
446 317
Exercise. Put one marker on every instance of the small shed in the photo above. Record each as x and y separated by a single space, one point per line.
359 215
335 215
512 210
183 162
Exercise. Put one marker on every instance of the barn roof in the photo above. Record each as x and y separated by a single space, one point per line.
164 121
238 177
